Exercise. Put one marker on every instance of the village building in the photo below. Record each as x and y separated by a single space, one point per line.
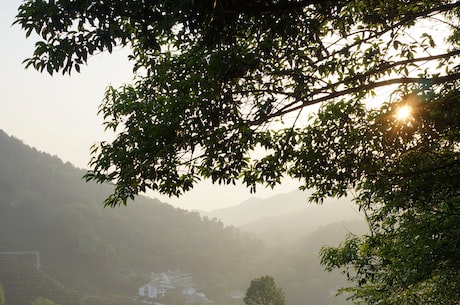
152 290
160 283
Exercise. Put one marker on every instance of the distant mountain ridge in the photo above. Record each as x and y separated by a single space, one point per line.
286 217
254 209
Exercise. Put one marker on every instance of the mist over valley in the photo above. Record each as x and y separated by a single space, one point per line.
58 242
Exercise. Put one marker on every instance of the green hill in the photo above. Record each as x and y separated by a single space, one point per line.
45 206
104 255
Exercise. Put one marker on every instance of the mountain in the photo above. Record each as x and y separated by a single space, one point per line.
254 209
102 256
45 206
285 228
297 268
285 218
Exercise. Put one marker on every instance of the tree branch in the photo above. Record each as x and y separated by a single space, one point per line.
366 87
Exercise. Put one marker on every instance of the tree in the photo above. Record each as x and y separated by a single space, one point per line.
263 291
217 80
405 175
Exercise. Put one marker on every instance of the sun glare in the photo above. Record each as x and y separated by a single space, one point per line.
403 113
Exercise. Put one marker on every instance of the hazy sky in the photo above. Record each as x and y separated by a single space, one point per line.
58 114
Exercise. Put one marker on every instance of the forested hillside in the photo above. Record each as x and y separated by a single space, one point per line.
45 206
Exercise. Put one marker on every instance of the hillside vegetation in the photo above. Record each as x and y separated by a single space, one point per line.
107 253
45 206
17 268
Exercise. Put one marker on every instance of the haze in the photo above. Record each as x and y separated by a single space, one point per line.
58 114
56 227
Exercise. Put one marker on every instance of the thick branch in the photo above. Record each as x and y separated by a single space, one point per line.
366 87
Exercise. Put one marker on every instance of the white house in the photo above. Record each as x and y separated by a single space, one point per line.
160 283
152 290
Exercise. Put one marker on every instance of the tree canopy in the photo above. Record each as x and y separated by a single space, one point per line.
405 176
216 80
263 291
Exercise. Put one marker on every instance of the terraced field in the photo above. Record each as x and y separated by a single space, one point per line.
23 281
94 300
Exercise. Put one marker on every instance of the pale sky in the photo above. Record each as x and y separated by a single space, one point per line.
58 114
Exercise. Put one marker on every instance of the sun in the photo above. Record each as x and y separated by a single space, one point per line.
403 113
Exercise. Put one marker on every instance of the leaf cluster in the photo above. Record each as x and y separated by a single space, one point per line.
263 291
409 190
218 80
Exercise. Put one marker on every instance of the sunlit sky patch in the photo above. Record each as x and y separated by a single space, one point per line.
403 113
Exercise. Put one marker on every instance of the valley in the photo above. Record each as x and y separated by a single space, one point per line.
93 255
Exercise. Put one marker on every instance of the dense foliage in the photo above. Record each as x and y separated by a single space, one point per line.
263 291
218 79
405 173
